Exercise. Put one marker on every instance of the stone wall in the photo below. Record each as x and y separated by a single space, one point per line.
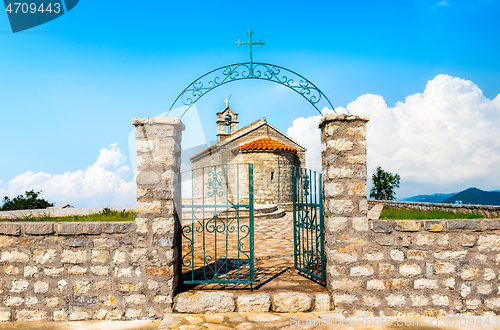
102 270
81 271
403 267
487 211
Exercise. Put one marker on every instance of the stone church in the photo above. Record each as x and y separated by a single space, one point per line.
272 153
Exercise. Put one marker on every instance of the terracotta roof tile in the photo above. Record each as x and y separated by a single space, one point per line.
227 137
266 144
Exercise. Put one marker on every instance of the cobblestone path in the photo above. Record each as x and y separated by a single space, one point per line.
274 261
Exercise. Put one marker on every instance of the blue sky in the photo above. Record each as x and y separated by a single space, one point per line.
70 87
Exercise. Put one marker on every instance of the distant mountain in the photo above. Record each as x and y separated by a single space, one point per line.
434 198
475 196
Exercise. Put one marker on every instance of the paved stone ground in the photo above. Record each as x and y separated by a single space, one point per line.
257 321
302 321
274 261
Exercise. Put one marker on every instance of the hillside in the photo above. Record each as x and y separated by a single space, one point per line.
434 198
475 196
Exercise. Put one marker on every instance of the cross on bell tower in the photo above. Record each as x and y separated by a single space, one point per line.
227 122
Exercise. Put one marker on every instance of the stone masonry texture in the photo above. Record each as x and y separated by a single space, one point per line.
101 270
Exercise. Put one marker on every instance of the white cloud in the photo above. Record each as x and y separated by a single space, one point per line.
442 140
102 184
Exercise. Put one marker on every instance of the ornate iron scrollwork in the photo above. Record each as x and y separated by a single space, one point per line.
252 70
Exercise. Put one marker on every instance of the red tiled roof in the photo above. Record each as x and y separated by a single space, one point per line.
266 144
227 137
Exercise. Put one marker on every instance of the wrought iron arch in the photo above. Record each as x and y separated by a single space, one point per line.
252 70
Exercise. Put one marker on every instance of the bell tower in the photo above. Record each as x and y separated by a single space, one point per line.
227 122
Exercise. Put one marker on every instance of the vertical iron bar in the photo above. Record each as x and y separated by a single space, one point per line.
250 220
294 202
238 216
322 234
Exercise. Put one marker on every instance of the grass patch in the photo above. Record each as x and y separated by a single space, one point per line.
410 214
105 215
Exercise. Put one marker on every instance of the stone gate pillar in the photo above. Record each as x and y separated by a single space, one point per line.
343 154
158 142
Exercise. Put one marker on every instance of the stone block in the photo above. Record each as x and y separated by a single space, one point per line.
38 228
418 300
491 224
77 270
360 223
205 302
449 283
344 285
440 300
70 257
10 270
99 270
79 242
13 301
79 316
105 242
375 285
465 240
424 283
341 207
444 268
434 225
344 299
30 271
489 274
417 255
385 269
473 303
394 300
322 302
43 256
339 145
12 229
145 178
488 243
100 256
371 301
469 274
81 287
484 288
336 224
373 256
450 255
396 284
68 228
4 315
474 225
407 225
81 301
291 302
493 304
31 315
163 226
333 189
92 228
256 302
53 271
397 255
19 285
139 255
381 226
365 270
160 271
410 269
118 227
120 257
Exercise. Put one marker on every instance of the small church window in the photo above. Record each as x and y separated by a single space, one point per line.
227 120
272 174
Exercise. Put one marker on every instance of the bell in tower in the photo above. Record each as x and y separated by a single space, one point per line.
227 122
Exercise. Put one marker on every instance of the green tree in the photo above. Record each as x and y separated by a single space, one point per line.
29 201
384 184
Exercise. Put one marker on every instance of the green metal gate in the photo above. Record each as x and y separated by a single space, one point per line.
308 223
217 224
